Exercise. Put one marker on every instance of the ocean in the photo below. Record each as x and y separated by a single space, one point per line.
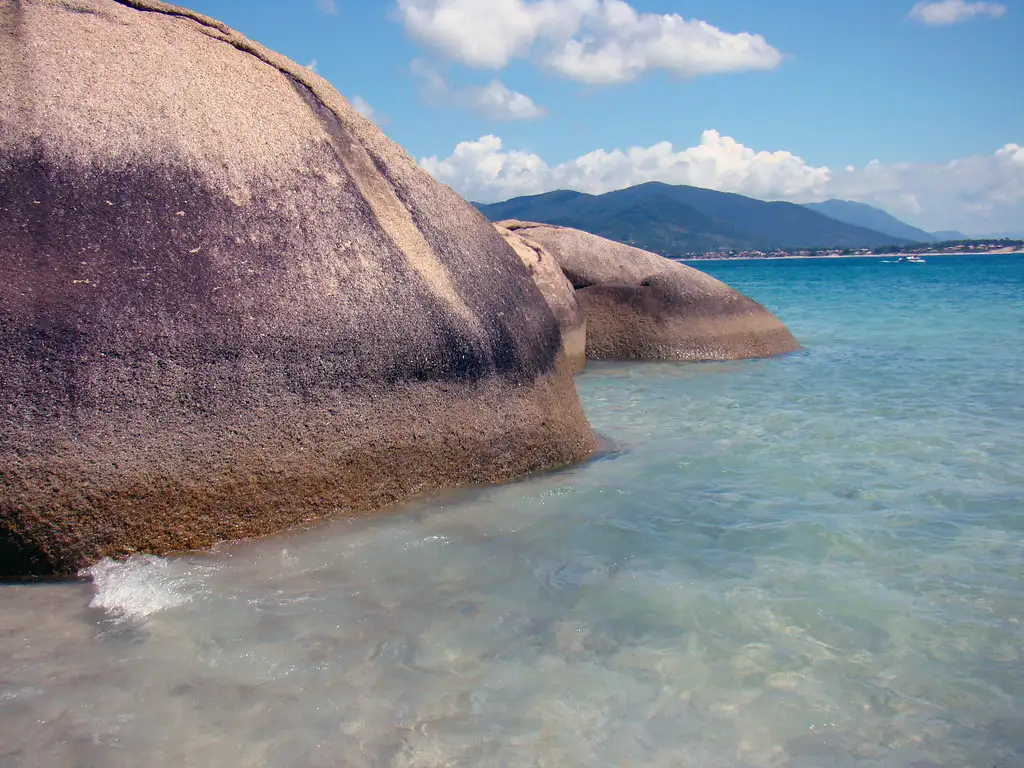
812 560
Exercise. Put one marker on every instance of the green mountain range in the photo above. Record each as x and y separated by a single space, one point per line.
679 220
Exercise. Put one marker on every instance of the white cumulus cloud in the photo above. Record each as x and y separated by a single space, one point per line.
483 170
954 11
488 33
590 41
495 101
618 45
976 194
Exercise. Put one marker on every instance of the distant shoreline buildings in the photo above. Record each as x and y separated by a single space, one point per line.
953 247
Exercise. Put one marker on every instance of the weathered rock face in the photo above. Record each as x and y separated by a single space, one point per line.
230 305
557 291
641 306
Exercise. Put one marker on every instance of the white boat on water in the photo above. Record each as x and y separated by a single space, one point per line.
910 259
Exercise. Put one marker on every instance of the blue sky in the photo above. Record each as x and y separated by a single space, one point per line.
915 108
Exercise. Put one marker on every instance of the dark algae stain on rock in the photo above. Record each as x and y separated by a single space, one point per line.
232 305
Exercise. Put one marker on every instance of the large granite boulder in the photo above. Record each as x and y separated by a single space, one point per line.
557 291
230 304
642 306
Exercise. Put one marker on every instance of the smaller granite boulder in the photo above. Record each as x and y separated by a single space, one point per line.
557 291
642 306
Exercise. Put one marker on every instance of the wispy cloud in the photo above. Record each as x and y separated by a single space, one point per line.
363 107
498 102
590 41
495 101
948 12
328 6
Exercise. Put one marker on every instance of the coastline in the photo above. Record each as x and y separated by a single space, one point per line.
849 256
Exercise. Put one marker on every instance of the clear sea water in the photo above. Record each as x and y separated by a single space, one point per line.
815 560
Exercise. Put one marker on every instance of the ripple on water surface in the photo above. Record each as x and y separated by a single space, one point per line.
808 561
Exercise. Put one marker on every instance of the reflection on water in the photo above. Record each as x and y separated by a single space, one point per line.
808 561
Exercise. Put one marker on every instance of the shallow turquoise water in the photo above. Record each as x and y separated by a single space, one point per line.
814 560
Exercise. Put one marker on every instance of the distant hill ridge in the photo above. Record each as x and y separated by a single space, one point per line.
864 215
678 220
947 235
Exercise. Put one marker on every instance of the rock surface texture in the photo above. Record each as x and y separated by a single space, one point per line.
231 305
557 291
641 306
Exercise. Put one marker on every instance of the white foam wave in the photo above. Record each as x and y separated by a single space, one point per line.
138 587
